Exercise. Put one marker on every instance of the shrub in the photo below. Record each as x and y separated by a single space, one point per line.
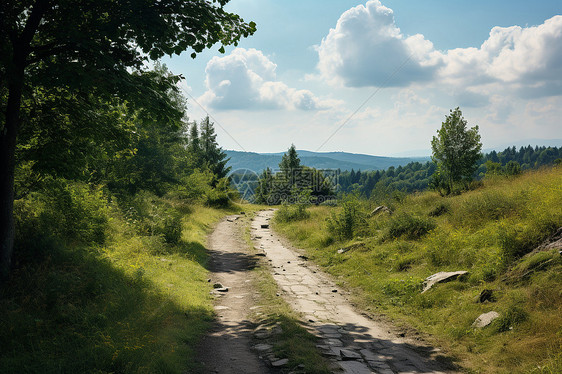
347 222
289 213
68 211
151 215
439 210
408 226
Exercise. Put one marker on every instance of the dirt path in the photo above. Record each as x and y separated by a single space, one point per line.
355 344
227 348
358 344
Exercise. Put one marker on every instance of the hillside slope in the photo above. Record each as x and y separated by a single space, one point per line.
492 233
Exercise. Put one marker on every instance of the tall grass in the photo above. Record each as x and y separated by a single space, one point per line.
490 232
104 285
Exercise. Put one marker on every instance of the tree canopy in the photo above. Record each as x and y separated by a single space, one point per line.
63 60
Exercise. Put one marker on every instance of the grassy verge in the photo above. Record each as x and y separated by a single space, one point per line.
487 232
290 338
136 303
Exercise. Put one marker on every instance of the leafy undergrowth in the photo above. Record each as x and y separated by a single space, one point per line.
489 232
134 300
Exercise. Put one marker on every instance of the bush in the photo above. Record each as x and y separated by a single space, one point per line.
219 197
289 213
409 227
439 210
347 221
68 211
153 216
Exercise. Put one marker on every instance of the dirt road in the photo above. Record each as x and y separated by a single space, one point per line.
357 343
353 342
227 348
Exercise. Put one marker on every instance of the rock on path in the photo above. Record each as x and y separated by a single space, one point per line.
357 344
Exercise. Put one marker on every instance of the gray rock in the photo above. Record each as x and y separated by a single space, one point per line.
280 363
443 276
262 347
485 319
348 354
354 367
381 209
334 342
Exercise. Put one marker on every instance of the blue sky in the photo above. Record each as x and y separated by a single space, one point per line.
312 64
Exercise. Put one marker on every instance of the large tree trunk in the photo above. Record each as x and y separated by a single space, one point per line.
8 136
9 133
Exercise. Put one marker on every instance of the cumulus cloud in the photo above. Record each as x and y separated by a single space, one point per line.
527 60
246 79
366 49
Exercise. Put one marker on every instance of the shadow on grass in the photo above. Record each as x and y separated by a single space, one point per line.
73 312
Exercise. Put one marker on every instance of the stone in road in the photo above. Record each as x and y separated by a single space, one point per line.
357 343
227 348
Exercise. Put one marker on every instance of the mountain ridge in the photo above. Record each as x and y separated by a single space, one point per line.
320 160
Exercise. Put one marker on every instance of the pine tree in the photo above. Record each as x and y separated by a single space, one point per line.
194 144
214 158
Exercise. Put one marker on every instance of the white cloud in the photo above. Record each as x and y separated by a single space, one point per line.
367 49
246 79
525 60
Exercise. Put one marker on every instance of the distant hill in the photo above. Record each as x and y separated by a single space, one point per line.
319 160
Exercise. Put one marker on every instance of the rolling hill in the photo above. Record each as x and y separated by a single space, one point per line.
319 160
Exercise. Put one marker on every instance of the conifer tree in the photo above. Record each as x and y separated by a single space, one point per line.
212 155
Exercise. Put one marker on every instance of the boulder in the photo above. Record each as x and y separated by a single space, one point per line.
485 319
443 276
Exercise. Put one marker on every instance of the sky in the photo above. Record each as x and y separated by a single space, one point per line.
379 77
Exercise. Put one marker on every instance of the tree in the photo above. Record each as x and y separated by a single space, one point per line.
290 161
456 150
92 46
213 156
194 145
290 175
262 194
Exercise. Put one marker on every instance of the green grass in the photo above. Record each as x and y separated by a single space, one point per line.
135 304
487 232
